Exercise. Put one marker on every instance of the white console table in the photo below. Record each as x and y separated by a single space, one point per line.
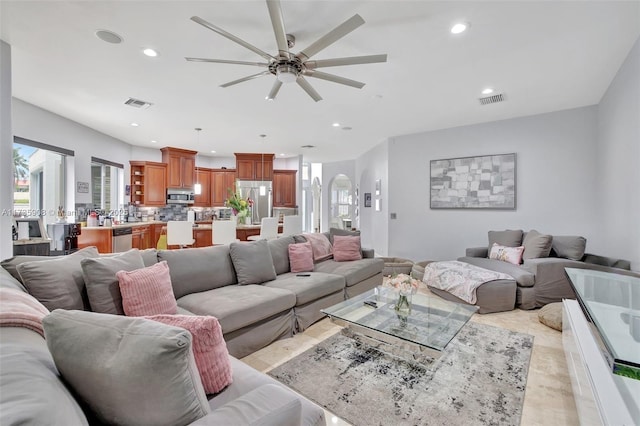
602 397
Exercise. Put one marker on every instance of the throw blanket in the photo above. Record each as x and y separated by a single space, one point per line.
459 278
320 245
19 309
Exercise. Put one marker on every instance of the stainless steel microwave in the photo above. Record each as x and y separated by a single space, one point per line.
180 196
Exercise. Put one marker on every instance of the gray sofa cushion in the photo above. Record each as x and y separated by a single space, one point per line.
127 370
102 284
522 277
11 264
509 238
199 269
149 256
353 271
268 405
536 245
253 262
58 283
569 247
279 249
237 306
8 281
32 392
308 289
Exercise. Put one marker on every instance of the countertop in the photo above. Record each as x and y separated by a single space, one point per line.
200 225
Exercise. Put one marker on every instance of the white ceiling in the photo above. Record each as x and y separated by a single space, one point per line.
544 56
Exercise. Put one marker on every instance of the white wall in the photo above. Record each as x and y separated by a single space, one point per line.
37 124
329 172
374 225
618 154
6 153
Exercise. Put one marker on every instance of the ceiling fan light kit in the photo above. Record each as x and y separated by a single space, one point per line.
287 67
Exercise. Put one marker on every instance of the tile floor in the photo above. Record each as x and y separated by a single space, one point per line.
548 397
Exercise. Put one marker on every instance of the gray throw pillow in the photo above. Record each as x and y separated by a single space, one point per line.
536 245
129 371
11 264
279 248
253 262
102 284
569 247
509 238
341 232
58 283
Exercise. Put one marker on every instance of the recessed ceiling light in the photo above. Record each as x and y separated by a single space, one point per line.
150 52
212 151
282 155
154 141
336 124
109 36
460 27
487 91
134 124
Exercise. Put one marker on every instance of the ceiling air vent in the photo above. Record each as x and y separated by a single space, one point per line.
137 103
491 99
308 146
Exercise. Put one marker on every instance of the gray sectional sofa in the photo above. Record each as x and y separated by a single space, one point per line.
540 280
206 281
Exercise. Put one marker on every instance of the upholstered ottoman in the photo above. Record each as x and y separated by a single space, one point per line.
396 265
417 270
494 296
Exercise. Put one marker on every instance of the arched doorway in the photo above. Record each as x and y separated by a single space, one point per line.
341 203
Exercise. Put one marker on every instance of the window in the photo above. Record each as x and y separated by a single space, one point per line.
107 185
39 173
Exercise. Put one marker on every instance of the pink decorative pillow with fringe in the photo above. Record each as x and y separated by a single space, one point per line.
147 291
301 257
346 248
209 348
507 254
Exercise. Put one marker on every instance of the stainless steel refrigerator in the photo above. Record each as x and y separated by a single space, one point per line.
260 193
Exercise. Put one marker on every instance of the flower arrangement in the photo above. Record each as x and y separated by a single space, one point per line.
403 283
239 205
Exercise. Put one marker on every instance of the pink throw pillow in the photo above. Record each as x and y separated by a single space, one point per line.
147 291
507 254
321 246
208 346
301 257
346 248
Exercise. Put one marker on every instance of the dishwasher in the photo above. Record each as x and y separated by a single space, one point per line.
121 239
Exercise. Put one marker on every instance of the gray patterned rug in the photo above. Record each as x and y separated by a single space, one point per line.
479 380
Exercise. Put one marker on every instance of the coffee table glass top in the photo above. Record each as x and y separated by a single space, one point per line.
432 322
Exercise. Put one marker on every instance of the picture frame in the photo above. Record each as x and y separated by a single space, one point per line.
82 187
367 199
481 182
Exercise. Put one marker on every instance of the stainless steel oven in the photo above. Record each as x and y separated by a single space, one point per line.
180 196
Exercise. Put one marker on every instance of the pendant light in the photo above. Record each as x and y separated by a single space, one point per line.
197 188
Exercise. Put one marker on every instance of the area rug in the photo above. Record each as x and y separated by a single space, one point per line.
479 380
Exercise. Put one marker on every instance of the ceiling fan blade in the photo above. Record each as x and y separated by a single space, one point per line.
231 37
353 60
307 88
274 90
240 80
331 37
334 78
224 61
275 12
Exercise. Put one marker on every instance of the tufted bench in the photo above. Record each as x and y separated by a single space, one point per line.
396 265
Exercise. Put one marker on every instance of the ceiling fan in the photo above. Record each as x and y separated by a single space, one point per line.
289 67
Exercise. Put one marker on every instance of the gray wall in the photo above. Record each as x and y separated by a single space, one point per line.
370 167
6 152
618 156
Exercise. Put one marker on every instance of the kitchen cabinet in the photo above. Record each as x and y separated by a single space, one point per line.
141 237
148 183
181 164
203 237
221 181
254 166
155 231
203 177
99 237
244 232
284 188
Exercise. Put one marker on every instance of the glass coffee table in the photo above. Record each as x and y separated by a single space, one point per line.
424 332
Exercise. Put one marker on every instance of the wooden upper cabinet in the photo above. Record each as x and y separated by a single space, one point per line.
148 183
284 188
181 167
254 166
221 181
203 177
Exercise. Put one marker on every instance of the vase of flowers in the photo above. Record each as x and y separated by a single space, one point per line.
405 287
241 207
